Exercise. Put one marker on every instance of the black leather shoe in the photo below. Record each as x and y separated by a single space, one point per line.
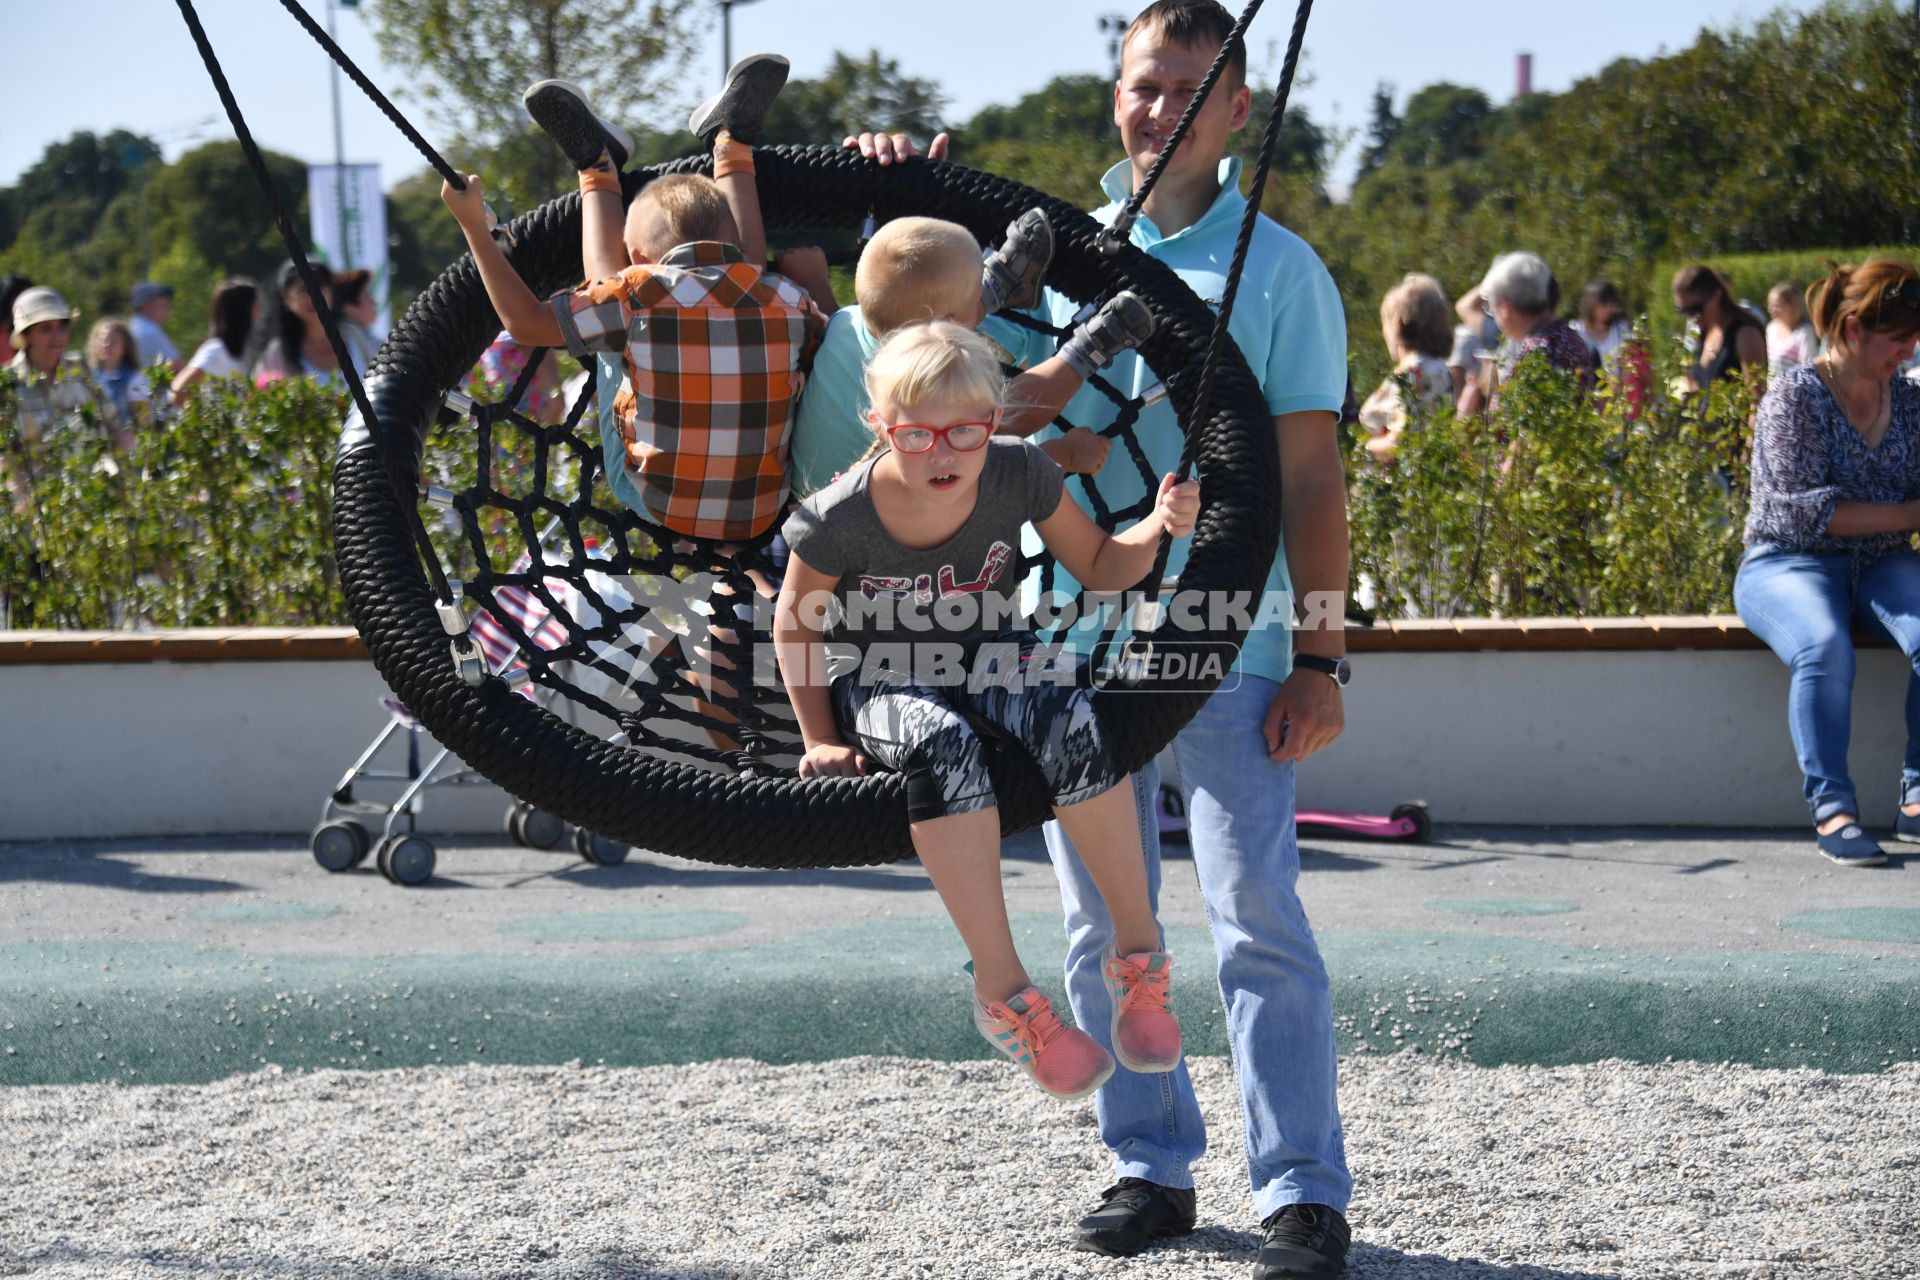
1132 1213
1303 1240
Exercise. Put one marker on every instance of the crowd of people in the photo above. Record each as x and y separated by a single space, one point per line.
253 338
1835 474
1515 312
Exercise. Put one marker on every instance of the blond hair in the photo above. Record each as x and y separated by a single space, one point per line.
97 344
915 270
1416 315
678 209
1790 293
923 362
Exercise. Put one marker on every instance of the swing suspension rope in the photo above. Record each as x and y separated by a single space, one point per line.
453 619
1250 218
592 592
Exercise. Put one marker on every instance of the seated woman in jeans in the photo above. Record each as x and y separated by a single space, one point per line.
1836 499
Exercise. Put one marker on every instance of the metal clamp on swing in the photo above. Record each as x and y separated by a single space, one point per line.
1153 395
502 235
437 497
467 659
869 228
1114 238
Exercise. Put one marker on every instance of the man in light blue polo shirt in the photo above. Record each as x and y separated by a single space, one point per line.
1236 757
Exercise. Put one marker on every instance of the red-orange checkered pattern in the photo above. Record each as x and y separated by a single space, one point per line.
717 351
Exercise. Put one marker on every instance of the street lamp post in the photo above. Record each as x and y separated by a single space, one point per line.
339 152
1114 26
726 35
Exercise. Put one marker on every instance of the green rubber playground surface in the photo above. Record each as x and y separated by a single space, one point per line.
164 961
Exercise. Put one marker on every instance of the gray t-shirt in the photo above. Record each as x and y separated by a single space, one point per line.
960 593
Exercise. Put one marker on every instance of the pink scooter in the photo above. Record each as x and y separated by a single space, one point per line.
1408 821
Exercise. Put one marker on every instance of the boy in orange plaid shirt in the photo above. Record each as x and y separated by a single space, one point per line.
716 348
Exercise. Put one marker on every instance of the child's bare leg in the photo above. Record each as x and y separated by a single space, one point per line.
603 246
733 174
1106 831
598 150
961 853
712 685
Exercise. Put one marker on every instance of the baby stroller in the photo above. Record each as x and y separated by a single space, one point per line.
404 856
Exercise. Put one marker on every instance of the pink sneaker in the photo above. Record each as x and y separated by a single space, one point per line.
1064 1061
1146 1035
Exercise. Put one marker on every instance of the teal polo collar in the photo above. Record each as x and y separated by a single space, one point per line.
1228 206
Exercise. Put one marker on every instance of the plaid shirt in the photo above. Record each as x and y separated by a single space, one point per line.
717 351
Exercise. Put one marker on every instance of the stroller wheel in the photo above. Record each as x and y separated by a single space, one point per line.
339 844
597 849
380 860
1416 812
410 860
516 813
540 829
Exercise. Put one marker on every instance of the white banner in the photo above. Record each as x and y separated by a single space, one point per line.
347 201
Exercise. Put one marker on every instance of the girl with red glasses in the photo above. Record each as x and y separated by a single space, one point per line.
901 642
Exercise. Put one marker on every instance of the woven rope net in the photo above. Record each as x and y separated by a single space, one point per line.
656 731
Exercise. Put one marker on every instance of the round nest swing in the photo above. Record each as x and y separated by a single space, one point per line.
737 805
680 806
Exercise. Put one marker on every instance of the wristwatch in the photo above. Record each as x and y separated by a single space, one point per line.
1339 670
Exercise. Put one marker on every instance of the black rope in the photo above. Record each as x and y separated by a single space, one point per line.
316 291
334 51
1251 217
1116 235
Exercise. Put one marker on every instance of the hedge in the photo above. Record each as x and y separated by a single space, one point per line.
1554 504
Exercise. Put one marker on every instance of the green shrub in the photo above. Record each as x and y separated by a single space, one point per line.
1558 504
221 516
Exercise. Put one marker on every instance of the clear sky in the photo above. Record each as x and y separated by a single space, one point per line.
131 64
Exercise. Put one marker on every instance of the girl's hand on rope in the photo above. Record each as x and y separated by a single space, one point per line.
890 147
1178 505
469 207
833 760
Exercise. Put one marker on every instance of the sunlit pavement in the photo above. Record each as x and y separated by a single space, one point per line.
188 960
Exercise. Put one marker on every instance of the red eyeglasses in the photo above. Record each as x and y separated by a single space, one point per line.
961 437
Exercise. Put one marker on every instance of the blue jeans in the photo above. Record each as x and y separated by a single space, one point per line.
1804 607
1272 982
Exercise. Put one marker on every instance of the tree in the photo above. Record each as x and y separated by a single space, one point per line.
1382 129
1302 146
1443 123
475 58
1070 107
855 94
209 202
60 199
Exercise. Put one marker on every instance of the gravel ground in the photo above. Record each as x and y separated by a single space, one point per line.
883 1167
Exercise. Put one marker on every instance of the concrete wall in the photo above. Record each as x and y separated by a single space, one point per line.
164 748
1694 738
1555 735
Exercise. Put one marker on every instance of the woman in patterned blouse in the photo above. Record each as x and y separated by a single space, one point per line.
1836 500
1521 294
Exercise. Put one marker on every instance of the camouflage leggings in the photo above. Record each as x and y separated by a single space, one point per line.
923 731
